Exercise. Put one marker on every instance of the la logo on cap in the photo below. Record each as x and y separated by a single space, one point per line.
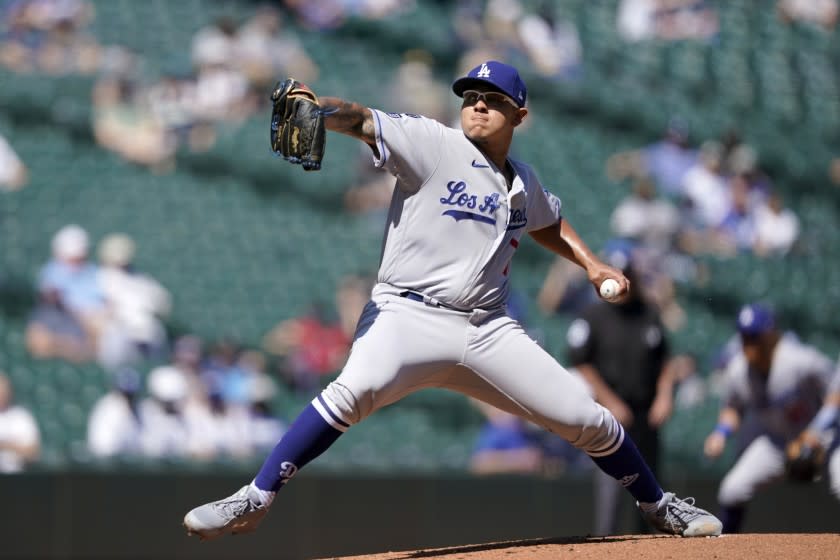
484 72
747 316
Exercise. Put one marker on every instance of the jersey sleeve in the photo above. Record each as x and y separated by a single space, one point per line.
819 367
409 147
543 209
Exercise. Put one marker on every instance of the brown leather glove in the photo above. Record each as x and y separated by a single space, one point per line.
297 125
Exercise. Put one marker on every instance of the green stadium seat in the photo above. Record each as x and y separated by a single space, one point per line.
687 67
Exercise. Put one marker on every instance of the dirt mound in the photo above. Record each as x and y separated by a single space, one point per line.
764 546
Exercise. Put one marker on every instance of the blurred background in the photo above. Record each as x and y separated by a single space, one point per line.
172 294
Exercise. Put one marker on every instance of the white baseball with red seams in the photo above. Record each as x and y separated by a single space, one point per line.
609 289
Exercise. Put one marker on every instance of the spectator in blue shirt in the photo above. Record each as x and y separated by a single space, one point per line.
71 309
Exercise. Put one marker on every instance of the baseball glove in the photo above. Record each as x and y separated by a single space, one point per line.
297 125
803 461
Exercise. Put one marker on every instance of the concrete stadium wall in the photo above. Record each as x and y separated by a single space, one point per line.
134 516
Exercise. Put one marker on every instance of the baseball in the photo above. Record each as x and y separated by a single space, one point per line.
609 289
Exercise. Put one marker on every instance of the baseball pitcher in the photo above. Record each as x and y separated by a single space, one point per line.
437 316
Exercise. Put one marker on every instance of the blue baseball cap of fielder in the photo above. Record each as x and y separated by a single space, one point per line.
755 319
500 76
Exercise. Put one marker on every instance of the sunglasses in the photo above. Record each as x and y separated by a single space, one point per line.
490 98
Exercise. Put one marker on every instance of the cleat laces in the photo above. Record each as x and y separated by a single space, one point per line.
234 506
679 513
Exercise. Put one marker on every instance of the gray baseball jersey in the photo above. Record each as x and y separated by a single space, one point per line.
453 227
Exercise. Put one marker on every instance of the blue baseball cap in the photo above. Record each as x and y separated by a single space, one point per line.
501 76
755 319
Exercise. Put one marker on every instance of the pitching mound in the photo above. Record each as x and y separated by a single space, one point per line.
763 546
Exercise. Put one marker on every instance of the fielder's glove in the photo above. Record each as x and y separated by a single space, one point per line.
297 125
804 460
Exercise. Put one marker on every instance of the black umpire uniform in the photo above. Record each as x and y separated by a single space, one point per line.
622 346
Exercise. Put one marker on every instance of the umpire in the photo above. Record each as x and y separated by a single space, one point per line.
621 351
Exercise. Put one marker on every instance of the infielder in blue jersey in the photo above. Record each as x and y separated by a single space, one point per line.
437 314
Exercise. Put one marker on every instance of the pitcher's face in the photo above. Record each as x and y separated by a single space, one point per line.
487 114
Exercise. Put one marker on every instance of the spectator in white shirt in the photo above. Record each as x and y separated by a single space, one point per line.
217 428
20 438
266 49
215 44
165 432
776 227
114 425
645 217
705 188
13 173
136 302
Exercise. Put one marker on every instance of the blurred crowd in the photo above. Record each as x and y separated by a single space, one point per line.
324 15
713 199
202 404
107 311
181 397
684 201
143 117
146 117
232 65
52 37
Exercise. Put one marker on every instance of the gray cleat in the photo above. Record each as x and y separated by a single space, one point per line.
681 517
239 513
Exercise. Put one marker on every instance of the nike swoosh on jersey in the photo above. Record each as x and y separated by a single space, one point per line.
479 165
462 215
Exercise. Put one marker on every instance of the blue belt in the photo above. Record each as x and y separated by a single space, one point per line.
412 295
433 302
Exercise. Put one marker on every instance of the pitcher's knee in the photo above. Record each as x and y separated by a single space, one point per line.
340 401
603 442
598 434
